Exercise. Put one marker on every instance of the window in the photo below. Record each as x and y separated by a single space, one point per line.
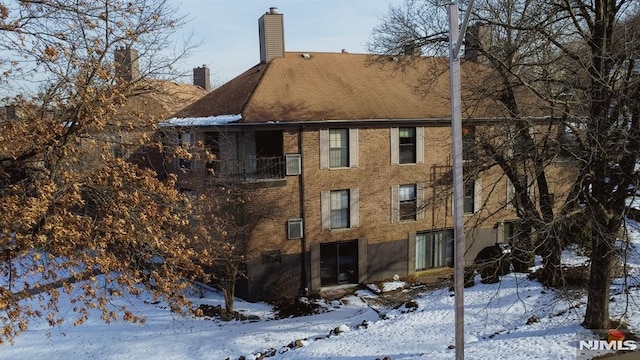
469 198
514 199
407 198
338 148
212 144
186 141
339 209
510 231
407 143
407 202
469 201
434 249
511 195
469 143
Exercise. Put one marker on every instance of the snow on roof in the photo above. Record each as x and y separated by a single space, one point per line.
202 121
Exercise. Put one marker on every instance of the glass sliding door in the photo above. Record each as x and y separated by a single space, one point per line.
434 249
339 263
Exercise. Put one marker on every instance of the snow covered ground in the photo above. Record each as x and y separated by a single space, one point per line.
514 319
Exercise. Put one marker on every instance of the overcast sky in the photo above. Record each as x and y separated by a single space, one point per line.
229 29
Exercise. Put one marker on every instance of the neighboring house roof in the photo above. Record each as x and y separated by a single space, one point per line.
337 86
157 99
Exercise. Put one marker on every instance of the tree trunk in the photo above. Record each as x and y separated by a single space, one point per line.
552 262
597 314
228 299
230 287
522 256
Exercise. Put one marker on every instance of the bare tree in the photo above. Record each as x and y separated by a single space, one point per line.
575 62
520 149
71 208
223 223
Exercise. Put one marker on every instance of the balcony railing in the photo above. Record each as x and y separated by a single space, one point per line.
251 169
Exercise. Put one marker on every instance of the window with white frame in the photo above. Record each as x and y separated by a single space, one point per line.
408 201
469 197
407 145
185 141
339 209
469 143
513 198
338 148
471 200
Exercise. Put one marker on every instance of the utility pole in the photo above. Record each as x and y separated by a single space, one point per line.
456 34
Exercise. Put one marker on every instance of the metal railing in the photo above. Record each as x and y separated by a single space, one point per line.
248 169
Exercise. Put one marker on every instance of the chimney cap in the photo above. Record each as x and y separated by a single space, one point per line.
273 10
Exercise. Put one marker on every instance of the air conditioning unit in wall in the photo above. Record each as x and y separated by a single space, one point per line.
294 229
293 164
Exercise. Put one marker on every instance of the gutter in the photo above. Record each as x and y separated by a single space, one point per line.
304 281
434 122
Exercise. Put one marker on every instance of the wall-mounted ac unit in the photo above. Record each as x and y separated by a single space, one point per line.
294 229
294 164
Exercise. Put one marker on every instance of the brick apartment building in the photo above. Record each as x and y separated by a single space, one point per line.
352 164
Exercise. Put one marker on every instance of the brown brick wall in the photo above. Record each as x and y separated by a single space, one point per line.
374 176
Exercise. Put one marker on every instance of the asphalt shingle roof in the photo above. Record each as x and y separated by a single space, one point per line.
341 86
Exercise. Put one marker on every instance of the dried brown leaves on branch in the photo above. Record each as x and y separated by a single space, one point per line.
75 216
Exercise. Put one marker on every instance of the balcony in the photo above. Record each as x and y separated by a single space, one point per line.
260 168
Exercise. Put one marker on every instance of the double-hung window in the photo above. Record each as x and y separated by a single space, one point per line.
472 199
407 198
339 209
469 197
338 148
469 151
407 145
407 202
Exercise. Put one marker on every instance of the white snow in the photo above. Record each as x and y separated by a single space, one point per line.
202 121
496 317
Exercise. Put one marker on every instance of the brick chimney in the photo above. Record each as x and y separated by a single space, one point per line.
126 60
271 31
202 77
9 112
478 38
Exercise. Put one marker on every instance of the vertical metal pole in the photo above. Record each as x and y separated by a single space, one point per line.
458 187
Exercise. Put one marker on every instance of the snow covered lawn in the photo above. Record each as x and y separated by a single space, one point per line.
514 319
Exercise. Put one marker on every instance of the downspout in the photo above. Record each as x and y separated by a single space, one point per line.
304 282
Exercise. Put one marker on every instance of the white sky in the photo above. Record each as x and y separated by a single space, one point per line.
229 29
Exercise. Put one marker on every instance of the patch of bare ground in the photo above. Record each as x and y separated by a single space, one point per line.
416 284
